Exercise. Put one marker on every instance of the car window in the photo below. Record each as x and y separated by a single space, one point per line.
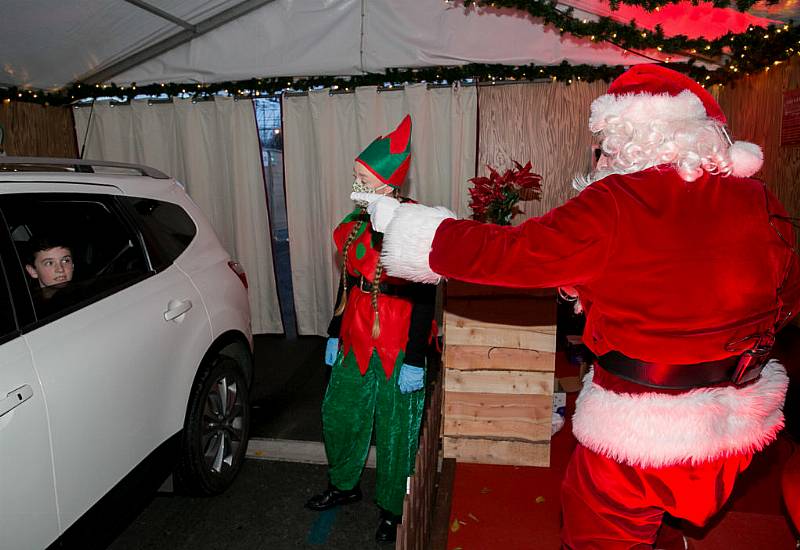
73 248
167 229
8 325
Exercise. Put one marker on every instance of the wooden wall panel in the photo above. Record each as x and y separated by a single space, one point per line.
546 123
33 130
754 107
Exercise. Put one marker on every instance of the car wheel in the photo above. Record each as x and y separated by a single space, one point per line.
216 429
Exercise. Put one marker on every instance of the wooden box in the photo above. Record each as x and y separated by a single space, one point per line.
499 362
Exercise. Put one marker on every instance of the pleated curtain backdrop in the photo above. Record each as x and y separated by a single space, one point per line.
212 147
324 132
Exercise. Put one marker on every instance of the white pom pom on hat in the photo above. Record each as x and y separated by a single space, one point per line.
747 158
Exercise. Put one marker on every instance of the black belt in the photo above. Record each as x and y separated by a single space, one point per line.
385 288
739 370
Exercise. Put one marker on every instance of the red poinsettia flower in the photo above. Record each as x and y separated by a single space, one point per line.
494 198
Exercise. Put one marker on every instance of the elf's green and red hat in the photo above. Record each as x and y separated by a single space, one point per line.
389 156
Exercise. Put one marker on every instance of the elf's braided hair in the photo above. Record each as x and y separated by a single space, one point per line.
374 292
350 238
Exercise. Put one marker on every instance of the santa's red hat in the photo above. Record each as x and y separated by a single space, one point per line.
652 93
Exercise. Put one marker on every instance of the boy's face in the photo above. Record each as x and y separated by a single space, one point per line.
52 266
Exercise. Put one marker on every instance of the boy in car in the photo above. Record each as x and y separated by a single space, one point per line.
49 261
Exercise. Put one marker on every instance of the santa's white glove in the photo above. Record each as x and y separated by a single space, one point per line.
379 207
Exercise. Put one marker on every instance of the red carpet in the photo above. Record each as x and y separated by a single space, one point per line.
511 507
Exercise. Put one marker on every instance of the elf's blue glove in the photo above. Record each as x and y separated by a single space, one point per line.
411 378
331 350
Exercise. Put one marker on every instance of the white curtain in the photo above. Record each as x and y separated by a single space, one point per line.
212 147
324 132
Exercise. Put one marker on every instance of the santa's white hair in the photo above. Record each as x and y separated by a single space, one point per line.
690 146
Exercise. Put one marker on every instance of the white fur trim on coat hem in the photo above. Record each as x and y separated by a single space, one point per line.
408 239
657 430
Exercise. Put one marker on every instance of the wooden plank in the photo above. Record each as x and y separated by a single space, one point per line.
440 528
491 451
513 417
543 339
496 358
490 381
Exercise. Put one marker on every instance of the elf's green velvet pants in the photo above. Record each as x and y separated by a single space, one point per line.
352 403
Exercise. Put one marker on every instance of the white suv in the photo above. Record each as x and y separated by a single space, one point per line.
134 362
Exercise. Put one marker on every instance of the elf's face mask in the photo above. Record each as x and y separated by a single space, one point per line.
366 182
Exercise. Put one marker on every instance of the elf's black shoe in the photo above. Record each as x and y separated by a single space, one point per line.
332 497
387 527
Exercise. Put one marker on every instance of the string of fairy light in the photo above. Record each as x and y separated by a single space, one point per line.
736 55
654 5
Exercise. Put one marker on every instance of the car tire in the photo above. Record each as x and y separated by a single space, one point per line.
216 429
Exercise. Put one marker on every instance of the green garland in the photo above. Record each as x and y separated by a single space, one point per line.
631 37
748 52
266 87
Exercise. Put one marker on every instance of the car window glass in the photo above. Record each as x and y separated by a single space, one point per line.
167 229
74 249
8 325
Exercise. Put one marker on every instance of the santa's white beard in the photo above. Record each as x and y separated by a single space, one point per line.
582 181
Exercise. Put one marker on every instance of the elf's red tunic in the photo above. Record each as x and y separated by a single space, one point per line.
394 313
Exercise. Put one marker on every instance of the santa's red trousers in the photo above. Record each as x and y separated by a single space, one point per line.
611 506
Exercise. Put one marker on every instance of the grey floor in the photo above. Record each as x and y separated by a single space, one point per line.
262 510
264 507
290 381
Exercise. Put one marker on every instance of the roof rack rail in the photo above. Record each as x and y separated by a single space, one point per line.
81 165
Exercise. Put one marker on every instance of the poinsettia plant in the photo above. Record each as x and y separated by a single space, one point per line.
494 199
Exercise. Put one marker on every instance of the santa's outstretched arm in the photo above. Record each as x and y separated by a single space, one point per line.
567 246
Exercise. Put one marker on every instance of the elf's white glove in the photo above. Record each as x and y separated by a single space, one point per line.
380 208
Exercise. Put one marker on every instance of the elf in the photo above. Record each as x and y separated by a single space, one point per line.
376 349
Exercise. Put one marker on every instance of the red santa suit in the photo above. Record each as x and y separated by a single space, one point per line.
674 275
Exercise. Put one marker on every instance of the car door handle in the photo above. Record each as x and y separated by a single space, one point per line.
15 398
176 308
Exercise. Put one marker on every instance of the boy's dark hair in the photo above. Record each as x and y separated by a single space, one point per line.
43 242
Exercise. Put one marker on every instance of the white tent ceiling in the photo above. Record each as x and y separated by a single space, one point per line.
51 43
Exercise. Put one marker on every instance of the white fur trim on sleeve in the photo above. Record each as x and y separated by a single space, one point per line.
407 242
657 430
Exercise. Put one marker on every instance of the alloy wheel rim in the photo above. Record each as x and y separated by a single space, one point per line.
223 420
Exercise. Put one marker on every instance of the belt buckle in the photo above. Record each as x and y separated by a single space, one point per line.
750 364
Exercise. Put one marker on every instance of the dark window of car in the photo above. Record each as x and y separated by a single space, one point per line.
167 229
74 249
8 325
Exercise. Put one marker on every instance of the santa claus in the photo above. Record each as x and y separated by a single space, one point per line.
686 268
